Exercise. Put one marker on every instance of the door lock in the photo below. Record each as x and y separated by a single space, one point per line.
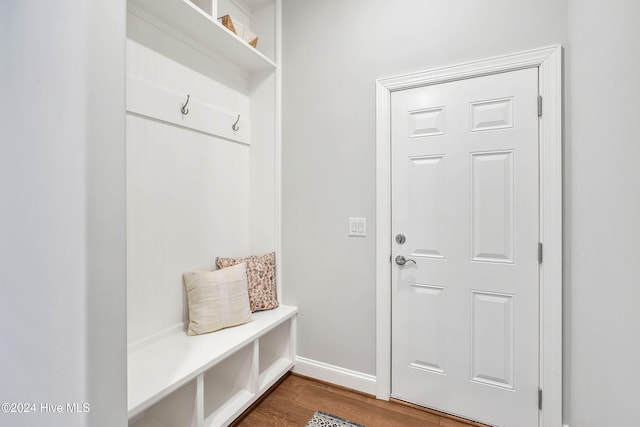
400 239
401 260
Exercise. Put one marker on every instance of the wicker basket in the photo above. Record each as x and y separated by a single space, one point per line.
238 28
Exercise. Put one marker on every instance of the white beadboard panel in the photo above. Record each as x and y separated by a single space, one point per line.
161 104
263 181
187 203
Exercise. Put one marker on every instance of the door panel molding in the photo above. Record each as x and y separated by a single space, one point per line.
549 62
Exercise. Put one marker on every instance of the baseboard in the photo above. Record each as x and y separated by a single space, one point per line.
336 375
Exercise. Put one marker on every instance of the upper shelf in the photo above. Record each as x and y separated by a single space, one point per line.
186 18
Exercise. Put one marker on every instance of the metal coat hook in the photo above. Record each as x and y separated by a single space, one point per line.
184 108
235 126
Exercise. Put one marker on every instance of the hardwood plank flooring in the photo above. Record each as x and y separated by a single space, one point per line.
294 400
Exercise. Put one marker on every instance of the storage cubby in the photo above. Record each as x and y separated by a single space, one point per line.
207 6
225 371
258 15
228 387
177 409
275 354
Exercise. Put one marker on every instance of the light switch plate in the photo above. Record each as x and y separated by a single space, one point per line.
358 227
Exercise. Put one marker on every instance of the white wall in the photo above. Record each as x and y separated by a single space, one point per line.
62 305
602 202
62 234
333 53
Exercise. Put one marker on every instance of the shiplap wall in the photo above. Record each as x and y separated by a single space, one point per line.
188 192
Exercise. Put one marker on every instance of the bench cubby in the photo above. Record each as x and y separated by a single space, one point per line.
208 380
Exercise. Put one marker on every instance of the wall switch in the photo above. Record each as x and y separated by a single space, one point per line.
358 227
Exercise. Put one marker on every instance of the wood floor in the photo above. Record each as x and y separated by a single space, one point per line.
296 398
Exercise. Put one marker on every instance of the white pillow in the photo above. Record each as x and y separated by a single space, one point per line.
217 299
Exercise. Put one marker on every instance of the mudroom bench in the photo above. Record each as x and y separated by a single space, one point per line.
209 380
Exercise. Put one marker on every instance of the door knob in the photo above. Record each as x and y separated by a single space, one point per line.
401 260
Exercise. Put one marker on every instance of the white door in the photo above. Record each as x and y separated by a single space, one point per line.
465 305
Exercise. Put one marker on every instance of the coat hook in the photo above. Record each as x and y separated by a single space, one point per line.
235 126
184 108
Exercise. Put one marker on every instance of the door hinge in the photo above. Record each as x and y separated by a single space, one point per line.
540 399
539 105
540 253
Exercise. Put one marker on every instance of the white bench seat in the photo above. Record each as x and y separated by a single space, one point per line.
163 365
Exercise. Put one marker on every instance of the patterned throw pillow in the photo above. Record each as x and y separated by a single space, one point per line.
217 299
261 274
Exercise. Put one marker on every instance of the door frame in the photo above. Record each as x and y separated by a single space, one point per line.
549 62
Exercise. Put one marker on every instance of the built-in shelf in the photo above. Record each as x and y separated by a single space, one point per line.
177 48
189 20
226 357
